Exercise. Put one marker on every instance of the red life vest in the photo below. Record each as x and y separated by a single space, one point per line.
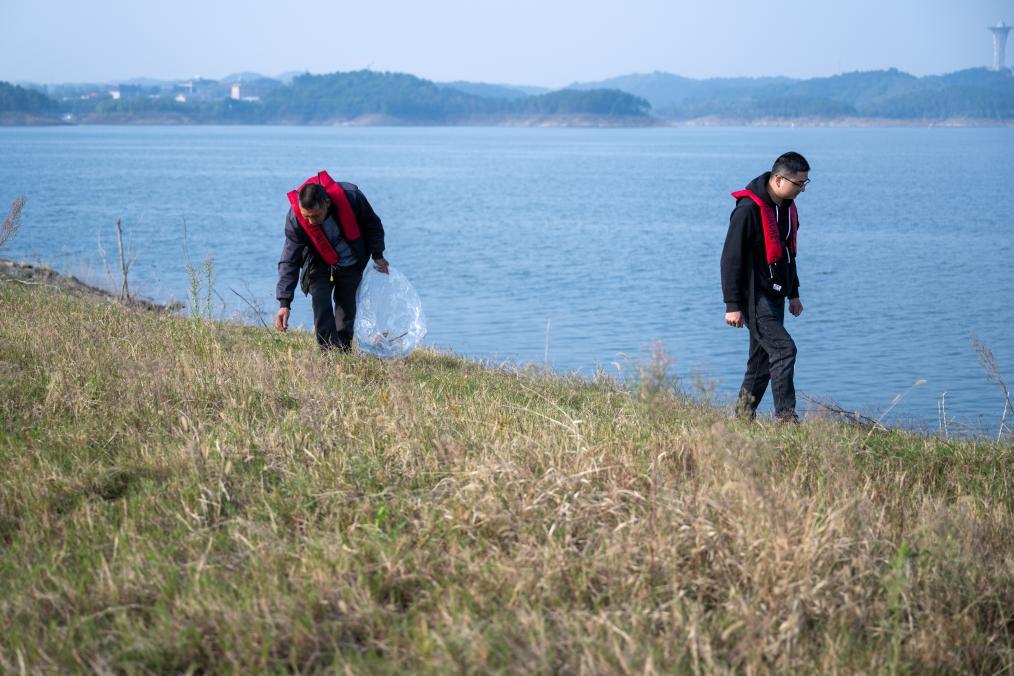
772 239
346 216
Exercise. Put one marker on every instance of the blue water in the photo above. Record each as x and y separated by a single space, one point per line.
593 242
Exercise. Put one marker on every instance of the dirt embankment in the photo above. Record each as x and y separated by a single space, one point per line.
719 121
16 119
13 272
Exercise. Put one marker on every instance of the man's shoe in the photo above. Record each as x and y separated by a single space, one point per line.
787 418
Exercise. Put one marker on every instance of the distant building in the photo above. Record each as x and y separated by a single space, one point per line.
181 98
198 89
127 92
252 90
999 31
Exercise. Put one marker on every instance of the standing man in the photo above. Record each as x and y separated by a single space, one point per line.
758 274
331 232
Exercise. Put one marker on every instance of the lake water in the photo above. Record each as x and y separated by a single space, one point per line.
594 243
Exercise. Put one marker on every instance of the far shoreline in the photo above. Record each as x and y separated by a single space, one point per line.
535 122
41 274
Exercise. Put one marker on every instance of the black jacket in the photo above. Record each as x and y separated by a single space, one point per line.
298 250
744 250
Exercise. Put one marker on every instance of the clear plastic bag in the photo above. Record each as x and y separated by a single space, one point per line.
389 316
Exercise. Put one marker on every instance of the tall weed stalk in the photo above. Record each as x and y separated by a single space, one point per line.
202 287
12 221
993 374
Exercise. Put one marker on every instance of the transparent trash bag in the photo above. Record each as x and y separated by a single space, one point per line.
389 317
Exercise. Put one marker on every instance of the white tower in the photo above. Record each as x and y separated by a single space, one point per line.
999 32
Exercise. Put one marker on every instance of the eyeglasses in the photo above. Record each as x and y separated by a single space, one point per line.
799 184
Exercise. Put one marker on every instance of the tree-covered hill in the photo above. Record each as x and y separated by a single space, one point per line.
494 91
761 107
609 102
372 97
19 104
399 97
351 97
974 93
665 91
347 96
166 110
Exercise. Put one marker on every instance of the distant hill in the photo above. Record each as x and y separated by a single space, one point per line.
316 99
147 82
372 97
494 91
246 76
665 90
399 98
357 97
606 102
288 76
975 93
19 105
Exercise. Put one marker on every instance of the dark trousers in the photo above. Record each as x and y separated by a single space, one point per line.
772 358
334 304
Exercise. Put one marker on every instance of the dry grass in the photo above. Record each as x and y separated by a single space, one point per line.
179 495
12 221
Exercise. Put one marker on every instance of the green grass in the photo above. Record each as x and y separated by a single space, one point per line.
180 495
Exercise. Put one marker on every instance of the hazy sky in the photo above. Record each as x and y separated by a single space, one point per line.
540 42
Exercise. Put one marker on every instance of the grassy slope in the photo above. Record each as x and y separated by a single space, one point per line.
180 495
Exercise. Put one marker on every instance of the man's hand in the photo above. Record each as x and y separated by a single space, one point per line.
282 319
380 264
795 307
735 319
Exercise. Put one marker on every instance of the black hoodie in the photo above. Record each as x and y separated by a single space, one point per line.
744 249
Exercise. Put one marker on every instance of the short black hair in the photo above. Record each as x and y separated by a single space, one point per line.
312 196
790 163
